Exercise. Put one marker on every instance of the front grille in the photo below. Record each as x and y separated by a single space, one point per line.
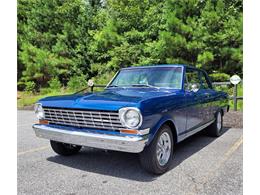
84 118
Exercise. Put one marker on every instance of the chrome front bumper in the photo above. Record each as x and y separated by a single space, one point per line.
125 143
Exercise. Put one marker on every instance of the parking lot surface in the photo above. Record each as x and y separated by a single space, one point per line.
202 165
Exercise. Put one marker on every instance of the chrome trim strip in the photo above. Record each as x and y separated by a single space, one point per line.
80 111
112 79
199 128
144 131
132 144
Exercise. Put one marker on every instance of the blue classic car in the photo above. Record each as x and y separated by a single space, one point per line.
145 110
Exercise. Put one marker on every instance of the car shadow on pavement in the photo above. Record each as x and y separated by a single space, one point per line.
126 165
192 145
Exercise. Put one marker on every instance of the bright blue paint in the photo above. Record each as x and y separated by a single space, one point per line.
185 109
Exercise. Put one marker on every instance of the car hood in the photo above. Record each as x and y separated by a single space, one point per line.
111 99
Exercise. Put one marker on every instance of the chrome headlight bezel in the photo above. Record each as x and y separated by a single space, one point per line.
122 114
39 111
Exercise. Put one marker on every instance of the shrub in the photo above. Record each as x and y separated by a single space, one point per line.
219 77
44 91
224 88
55 84
30 86
104 78
21 86
77 82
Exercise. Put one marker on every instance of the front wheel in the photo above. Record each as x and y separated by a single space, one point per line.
64 149
157 156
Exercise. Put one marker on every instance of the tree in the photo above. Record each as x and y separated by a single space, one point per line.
95 38
53 39
206 34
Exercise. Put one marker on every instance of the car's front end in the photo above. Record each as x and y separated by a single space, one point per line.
112 130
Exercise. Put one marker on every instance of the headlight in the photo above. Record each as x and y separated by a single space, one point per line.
39 111
130 117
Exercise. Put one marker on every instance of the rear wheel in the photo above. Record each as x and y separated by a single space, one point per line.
157 156
64 149
215 129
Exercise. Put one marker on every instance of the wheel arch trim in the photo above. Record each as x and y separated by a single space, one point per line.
165 120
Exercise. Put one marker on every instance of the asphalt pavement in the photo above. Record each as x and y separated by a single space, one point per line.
202 165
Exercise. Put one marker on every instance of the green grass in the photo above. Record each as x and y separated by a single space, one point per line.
28 99
239 102
229 89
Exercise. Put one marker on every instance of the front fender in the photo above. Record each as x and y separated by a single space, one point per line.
155 129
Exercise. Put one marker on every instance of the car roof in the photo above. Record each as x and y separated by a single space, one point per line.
159 65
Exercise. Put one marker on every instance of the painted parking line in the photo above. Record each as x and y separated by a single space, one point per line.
33 150
227 155
206 178
234 147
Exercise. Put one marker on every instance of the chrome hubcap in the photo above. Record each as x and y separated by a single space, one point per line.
219 121
163 149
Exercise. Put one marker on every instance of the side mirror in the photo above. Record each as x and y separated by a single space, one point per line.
194 88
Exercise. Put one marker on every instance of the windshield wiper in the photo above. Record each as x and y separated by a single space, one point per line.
134 85
144 85
112 86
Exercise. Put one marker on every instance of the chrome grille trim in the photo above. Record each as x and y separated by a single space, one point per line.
84 118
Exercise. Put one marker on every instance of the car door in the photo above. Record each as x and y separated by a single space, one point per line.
207 94
193 99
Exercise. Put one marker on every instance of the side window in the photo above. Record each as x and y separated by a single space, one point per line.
192 77
203 81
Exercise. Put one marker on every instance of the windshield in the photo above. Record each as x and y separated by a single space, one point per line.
159 77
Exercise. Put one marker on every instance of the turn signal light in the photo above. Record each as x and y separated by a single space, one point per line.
44 122
129 131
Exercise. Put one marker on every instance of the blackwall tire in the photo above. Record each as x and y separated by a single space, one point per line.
156 158
64 149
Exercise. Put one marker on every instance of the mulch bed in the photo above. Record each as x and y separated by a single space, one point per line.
233 119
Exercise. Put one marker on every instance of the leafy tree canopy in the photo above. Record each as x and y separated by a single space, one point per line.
64 38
